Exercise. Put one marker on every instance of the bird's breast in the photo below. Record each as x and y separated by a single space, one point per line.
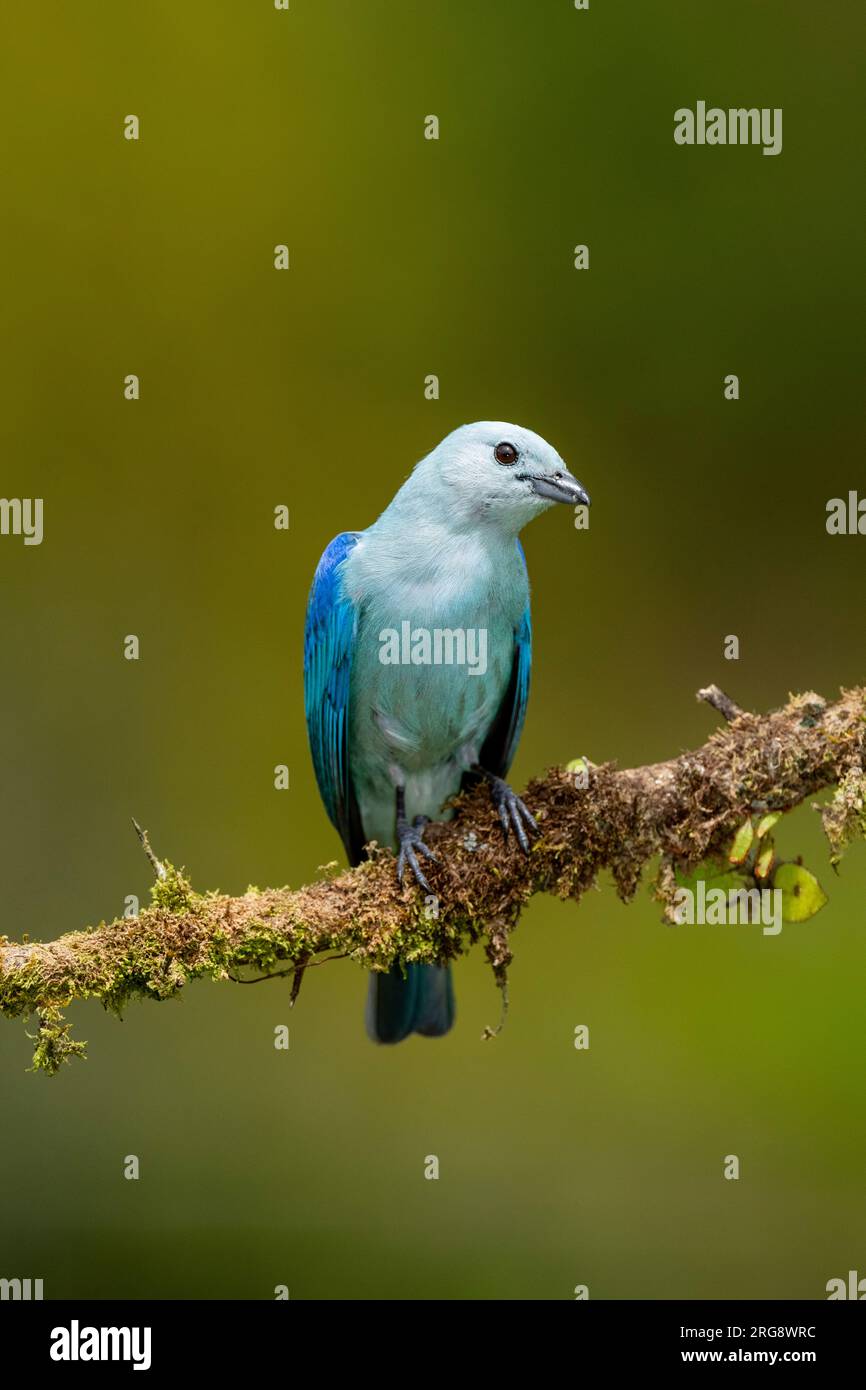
434 646
428 679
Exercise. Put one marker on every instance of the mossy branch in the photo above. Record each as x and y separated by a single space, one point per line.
683 810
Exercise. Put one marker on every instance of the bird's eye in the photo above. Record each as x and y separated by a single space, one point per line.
505 453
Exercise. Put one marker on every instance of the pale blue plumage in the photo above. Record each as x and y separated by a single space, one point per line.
444 556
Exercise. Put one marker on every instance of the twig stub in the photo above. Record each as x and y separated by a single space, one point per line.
158 867
721 702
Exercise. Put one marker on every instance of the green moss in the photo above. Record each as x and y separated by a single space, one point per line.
844 818
173 892
54 1046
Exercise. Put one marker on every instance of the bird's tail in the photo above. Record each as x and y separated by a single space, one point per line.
417 1000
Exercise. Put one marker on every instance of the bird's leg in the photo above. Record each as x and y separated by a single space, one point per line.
513 814
411 842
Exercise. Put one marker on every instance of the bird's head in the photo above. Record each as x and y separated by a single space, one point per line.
500 473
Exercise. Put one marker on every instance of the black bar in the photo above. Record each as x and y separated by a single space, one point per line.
232 1338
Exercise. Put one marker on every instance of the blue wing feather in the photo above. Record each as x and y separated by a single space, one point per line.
329 641
503 737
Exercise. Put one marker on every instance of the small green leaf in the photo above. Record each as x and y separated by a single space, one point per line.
765 860
802 894
578 769
767 822
742 843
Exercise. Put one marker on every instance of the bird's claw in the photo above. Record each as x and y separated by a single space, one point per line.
412 844
513 813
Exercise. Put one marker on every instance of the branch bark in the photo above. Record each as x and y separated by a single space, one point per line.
683 810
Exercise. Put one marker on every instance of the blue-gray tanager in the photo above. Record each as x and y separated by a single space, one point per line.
416 667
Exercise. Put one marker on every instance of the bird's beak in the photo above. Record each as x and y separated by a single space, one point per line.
559 487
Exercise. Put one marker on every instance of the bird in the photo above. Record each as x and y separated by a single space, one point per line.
397 722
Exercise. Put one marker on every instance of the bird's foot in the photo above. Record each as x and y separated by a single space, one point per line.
513 813
411 845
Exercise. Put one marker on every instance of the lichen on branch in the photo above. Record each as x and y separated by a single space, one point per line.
683 810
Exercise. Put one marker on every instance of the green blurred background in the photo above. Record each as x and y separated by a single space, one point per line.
411 257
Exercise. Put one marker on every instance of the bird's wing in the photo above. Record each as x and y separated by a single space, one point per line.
329 642
503 736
